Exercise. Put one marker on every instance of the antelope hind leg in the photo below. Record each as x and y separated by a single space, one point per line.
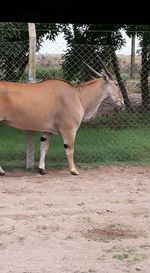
1 171
69 139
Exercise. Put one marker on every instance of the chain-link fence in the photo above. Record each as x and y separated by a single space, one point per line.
111 136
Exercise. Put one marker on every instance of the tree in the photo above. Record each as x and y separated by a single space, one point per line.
145 67
84 43
132 70
143 33
14 46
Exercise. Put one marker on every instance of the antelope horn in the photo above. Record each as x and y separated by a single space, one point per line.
105 68
92 70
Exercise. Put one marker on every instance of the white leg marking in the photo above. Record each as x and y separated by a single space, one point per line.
43 150
69 139
1 171
70 156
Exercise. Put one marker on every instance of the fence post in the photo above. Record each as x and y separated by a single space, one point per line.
31 78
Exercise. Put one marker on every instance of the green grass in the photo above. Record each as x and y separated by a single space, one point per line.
122 120
110 146
96 143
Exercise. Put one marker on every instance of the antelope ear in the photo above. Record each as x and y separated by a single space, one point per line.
106 78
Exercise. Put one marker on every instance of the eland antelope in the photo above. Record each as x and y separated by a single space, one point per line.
56 107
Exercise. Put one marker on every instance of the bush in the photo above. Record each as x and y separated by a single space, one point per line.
43 73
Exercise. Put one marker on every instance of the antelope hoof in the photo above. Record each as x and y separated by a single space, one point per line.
42 171
74 172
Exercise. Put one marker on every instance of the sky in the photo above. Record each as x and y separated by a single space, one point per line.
59 46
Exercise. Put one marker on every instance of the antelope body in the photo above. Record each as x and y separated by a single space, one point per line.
54 107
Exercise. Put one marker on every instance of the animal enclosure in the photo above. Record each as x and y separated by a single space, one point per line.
112 136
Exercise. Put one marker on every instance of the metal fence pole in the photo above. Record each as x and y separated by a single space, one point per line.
32 75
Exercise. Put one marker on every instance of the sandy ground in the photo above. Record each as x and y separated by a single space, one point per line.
97 222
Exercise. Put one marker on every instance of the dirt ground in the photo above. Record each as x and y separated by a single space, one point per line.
97 222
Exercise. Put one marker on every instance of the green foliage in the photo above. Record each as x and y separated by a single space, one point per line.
14 46
142 31
84 43
48 73
73 67
43 73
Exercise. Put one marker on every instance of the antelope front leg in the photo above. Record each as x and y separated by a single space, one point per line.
43 150
1 171
69 139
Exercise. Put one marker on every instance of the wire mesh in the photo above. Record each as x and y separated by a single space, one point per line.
111 136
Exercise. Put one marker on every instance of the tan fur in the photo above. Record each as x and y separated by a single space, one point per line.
54 107
39 106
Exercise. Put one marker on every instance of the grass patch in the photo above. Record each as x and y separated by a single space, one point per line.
121 257
129 254
105 145
104 239
121 120
105 140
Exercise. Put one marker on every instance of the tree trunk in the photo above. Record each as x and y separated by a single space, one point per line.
144 79
132 71
116 69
